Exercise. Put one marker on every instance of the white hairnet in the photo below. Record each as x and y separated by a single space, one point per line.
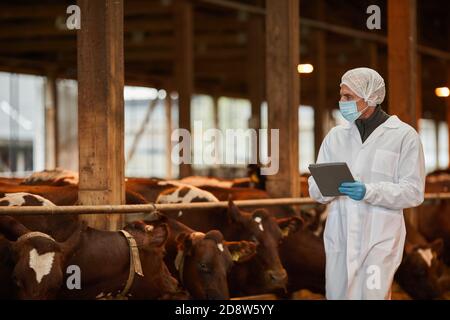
367 84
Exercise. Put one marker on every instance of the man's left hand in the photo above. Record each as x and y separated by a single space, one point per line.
355 190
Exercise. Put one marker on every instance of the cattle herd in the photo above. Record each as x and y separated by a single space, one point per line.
204 254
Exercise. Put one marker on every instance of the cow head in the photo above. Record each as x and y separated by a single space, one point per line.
421 269
204 261
265 230
38 260
151 240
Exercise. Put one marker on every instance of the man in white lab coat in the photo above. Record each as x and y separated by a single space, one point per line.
365 230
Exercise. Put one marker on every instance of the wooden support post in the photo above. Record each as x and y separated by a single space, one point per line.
373 54
402 60
101 108
256 65
184 66
51 123
168 112
320 111
448 111
418 95
436 136
216 112
255 72
282 92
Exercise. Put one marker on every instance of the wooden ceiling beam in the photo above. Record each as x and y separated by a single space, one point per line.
36 10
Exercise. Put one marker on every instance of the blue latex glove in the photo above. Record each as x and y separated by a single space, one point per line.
355 190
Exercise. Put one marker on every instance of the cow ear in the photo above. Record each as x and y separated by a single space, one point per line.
184 242
290 225
233 212
241 251
69 246
437 246
11 228
159 235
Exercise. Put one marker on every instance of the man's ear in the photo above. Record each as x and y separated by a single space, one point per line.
241 251
290 225
158 235
234 214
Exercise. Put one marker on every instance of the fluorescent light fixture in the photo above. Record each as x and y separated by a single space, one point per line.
305 68
443 92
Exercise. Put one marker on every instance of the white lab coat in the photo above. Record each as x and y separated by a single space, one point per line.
364 239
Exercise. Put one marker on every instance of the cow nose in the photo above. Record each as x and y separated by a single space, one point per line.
277 276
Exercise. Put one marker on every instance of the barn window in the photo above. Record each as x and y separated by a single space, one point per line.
443 145
235 114
202 118
21 123
427 131
68 124
146 132
306 136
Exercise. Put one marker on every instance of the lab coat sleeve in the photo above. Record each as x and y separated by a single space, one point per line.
409 191
324 156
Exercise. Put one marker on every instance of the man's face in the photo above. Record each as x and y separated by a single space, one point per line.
348 95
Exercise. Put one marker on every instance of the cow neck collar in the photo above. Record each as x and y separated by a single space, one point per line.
135 263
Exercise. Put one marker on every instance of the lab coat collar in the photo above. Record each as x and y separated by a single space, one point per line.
393 122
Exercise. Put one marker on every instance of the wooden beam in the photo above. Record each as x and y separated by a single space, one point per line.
49 10
419 89
51 123
402 62
101 108
184 67
236 5
373 55
447 104
255 69
321 110
169 128
282 92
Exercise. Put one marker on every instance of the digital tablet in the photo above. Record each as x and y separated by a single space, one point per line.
329 176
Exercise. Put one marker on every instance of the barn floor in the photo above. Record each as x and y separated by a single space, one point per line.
397 294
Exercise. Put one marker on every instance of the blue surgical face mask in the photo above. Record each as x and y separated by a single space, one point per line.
349 110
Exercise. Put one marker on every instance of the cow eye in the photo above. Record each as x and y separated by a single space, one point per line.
203 267
420 272
18 282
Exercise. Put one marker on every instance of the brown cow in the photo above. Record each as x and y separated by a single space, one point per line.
55 177
104 260
223 194
265 272
34 261
421 273
10 181
201 261
422 268
303 256
58 226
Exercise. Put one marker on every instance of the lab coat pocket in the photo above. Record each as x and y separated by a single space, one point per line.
385 162
333 236
387 227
